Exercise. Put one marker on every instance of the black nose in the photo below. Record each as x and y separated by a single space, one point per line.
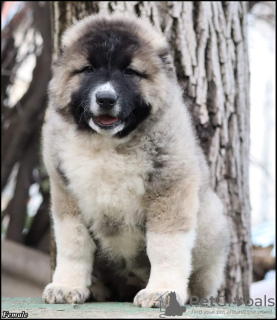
106 100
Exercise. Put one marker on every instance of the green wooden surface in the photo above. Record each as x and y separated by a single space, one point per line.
37 309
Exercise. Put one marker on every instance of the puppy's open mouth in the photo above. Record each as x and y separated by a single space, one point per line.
106 120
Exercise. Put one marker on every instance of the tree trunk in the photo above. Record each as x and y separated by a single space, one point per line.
209 46
22 121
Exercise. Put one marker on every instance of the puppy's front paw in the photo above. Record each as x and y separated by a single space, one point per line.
59 293
147 298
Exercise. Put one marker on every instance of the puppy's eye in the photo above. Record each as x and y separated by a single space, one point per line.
88 69
130 72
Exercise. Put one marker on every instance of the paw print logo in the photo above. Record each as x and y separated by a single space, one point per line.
238 301
174 308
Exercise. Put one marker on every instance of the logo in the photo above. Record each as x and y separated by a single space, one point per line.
222 301
174 308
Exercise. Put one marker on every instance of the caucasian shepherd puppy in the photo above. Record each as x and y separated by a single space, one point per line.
134 214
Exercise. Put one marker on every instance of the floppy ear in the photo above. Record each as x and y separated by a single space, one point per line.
167 62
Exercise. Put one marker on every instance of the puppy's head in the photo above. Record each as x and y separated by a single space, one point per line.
112 74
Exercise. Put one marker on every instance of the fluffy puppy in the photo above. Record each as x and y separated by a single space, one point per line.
134 215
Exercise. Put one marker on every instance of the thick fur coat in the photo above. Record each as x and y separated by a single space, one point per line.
134 215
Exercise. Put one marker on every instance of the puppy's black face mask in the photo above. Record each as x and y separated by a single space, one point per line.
121 106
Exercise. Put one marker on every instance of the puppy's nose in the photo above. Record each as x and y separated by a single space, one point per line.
106 100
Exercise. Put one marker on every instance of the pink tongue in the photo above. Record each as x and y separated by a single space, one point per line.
106 119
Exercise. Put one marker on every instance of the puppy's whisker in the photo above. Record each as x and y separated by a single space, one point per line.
81 104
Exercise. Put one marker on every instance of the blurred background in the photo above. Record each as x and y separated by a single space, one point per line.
25 72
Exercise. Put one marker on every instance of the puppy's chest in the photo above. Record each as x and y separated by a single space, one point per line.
106 182
109 187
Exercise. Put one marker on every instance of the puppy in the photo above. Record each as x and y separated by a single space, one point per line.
134 214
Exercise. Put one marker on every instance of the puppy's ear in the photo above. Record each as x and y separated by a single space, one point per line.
58 61
167 62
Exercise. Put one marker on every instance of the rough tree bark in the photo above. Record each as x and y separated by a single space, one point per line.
209 46
21 123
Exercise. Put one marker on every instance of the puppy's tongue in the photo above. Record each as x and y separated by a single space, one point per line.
106 119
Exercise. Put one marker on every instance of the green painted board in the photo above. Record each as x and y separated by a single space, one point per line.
37 309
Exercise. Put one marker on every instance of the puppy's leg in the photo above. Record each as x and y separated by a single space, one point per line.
170 238
170 257
211 249
75 250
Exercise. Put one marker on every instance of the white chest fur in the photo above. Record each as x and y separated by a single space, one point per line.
108 182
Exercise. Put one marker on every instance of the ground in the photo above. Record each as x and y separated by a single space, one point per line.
36 309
